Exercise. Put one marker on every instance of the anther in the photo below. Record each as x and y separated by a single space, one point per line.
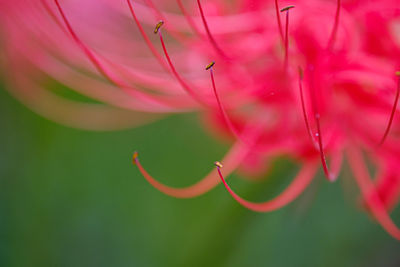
286 8
209 66
218 164
158 26
134 157
397 73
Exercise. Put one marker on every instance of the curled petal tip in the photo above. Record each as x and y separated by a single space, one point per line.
287 8
397 73
158 26
134 157
209 66
218 164
332 177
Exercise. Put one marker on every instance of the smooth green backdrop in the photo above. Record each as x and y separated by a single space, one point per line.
73 198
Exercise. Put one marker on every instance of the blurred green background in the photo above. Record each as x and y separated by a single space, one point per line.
73 198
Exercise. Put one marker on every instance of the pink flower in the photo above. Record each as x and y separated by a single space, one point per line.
316 81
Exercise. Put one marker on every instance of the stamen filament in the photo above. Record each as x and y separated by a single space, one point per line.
297 186
278 17
286 9
146 38
227 120
209 34
52 15
168 67
330 176
185 86
393 110
189 18
310 134
335 26
338 156
104 71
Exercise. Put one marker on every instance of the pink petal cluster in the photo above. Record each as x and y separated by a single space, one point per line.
315 80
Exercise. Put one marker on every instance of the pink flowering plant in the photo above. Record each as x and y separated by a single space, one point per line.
313 80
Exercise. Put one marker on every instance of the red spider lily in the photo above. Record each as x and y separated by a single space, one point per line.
315 81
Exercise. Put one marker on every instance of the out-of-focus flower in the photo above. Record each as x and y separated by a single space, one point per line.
316 81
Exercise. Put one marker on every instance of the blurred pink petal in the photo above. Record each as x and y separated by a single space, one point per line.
340 105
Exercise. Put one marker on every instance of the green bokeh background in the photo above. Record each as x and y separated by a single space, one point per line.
72 198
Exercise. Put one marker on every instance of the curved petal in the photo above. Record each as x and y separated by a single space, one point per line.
231 160
300 182
369 192
87 116
106 72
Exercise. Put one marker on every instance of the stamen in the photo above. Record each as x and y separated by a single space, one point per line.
393 110
227 120
209 34
335 26
287 34
158 26
85 49
297 186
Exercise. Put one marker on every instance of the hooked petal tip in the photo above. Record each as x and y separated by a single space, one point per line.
332 177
